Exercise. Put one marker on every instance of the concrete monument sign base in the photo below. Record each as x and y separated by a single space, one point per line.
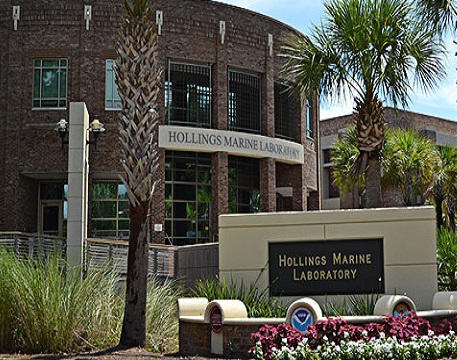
388 251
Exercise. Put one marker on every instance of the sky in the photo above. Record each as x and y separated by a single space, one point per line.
301 14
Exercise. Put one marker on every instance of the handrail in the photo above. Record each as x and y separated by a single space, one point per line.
20 233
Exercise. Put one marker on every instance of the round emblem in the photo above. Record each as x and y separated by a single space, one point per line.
301 318
215 320
401 309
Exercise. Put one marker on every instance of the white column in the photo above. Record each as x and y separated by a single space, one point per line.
78 170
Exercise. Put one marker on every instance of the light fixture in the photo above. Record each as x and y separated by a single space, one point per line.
96 128
62 128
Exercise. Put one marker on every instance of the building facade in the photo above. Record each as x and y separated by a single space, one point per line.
257 147
443 131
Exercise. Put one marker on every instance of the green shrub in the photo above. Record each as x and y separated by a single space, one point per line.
46 309
354 305
258 303
446 255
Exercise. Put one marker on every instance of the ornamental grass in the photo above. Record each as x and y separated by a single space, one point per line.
45 308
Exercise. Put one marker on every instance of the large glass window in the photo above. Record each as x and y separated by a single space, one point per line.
112 99
309 120
188 95
50 83
286 112
244 102
187 197
244 195
110 211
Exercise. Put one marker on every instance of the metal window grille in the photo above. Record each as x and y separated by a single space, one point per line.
188 95
244 102
244 179
286 112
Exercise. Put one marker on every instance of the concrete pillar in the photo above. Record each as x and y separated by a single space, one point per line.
78 169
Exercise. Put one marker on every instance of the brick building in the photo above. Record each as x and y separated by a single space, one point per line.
440 130
221 75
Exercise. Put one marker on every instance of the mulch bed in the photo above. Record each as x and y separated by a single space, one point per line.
131 354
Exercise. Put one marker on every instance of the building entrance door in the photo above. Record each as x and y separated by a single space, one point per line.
51 218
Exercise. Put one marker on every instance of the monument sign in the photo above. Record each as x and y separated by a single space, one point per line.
326 267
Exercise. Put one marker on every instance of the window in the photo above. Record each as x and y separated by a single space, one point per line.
309 120
331 191
110 211
244 102
244 195
50 83
286 112
112 99
188 95
187 197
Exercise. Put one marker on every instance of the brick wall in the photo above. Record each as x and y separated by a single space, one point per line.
51 28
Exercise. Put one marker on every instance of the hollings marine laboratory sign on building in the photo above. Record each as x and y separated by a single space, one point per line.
234 143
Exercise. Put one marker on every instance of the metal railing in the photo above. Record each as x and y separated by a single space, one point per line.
187 263
33 246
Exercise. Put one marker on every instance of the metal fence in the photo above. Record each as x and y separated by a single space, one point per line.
33 245
187 263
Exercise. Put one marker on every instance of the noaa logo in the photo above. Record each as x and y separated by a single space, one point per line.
301 318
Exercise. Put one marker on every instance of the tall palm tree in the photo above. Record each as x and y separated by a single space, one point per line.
138 76
408 163
375 51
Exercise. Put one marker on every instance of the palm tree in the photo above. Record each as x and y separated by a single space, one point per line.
344 159
408 163
374 50
444 189
138 76
439 15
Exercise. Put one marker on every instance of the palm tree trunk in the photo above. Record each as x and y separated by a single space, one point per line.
134 325
451 215
439 212
373 197
408 192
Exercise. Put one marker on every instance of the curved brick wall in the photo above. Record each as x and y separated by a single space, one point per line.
54 28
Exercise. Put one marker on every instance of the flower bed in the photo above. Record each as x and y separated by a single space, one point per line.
406 337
